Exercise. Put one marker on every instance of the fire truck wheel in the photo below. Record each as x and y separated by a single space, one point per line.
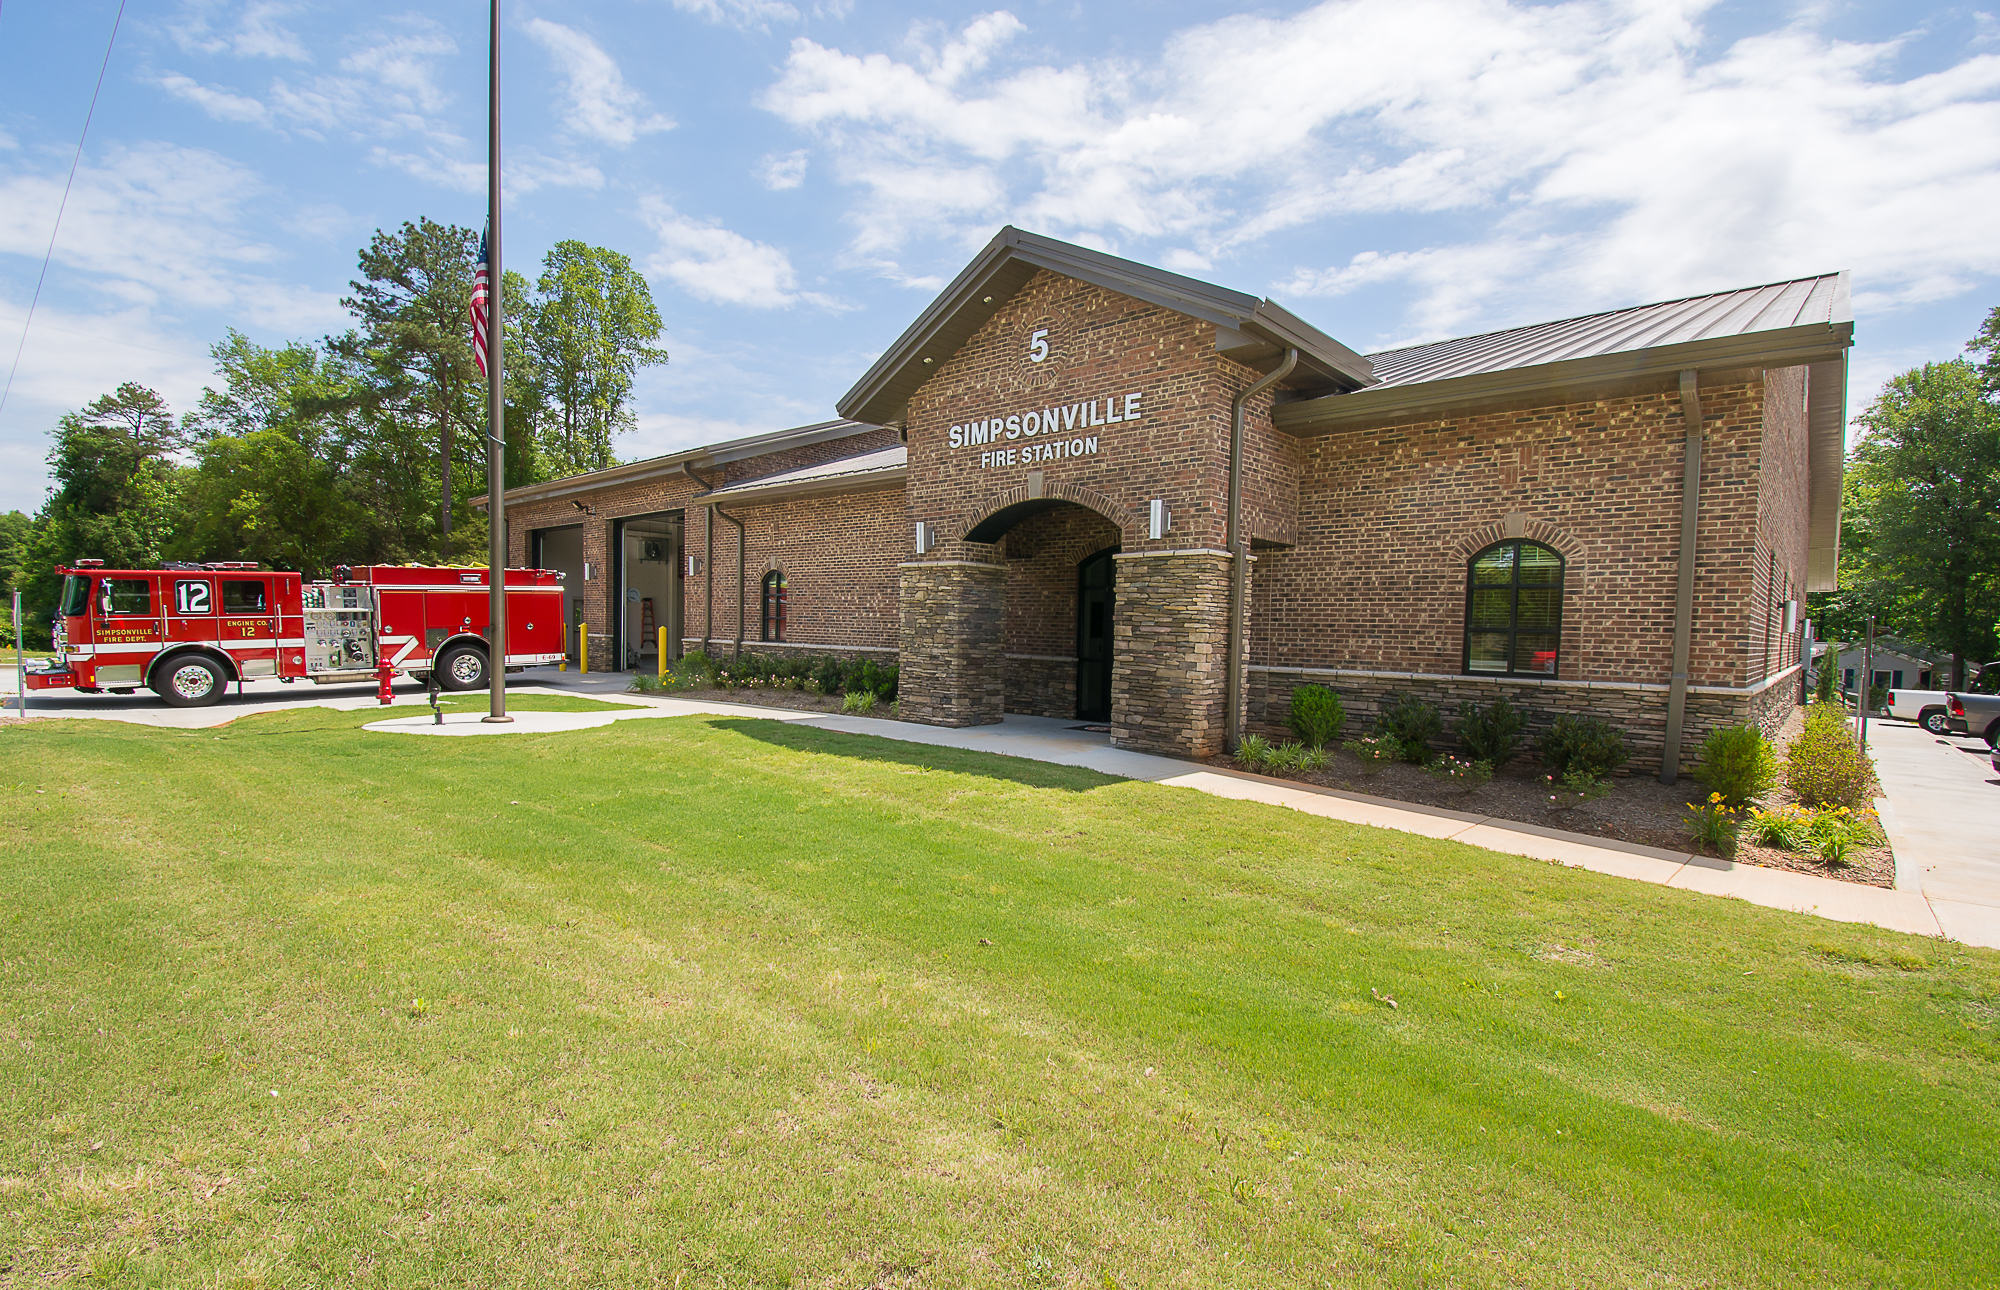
190 681
463 667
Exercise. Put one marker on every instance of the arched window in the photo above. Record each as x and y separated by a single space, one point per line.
1513 610
774 606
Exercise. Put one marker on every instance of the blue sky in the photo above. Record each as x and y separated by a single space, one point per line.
797 177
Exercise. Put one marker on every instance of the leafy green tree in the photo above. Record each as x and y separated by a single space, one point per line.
14 527
418 393
1921 532
586 333
116 490
275 446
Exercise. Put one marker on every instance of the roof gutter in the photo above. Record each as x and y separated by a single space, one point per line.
1670 758
1239 554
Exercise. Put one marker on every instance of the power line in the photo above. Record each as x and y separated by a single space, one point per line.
62 206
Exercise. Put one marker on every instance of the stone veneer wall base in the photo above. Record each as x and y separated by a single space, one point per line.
1170 650
1639 712
954 616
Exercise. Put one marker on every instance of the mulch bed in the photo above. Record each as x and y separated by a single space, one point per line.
1638 809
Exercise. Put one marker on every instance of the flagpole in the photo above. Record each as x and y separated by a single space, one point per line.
496 396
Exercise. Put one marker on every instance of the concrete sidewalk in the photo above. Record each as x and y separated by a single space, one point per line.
1943 821
1065 743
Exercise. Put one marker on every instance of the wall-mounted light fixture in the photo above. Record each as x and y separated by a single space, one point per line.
586 571
1158 519
926 537
1791 616
693 565
587 510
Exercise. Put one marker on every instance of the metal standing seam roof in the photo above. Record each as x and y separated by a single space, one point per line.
705 457
1771 307
884 466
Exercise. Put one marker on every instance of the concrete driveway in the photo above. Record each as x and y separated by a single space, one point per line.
148 709
1944 823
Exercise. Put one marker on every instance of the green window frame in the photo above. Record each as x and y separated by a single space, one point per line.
1513 611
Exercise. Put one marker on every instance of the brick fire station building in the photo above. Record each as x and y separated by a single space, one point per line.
1027 503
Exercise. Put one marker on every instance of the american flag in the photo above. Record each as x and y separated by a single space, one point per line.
482 283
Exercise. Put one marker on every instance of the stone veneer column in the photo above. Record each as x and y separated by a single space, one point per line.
954 670
1170 651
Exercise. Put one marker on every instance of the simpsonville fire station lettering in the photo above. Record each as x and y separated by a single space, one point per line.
1052 422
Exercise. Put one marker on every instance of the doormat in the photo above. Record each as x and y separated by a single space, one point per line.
1096 730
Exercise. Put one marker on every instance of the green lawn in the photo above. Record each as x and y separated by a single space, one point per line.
707 1001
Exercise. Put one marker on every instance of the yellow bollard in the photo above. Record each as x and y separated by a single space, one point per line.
663 653
583 647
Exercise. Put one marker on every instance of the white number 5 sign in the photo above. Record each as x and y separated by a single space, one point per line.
1038 345
191 597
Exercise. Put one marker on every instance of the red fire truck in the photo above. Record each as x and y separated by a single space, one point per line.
186 630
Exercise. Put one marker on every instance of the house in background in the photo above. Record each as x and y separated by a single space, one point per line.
1899 665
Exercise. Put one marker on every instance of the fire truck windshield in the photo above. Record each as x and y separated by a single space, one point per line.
75 595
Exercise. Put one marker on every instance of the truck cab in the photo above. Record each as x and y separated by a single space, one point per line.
183 630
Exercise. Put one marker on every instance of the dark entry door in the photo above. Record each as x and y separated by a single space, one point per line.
1093 636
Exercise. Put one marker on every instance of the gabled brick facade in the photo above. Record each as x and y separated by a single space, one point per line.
1022 463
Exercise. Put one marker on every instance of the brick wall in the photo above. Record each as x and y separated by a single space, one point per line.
1390 516
1783 498
843 549
1102 344
838 555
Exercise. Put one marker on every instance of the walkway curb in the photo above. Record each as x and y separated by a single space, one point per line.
1048 740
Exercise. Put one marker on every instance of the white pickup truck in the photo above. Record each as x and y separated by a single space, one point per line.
1927 707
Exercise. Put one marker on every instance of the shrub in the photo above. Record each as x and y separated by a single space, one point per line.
1838 830
1714 823
1409 725
1295 756
1583 745
1253 752
1491 734
1373 754
1573 789
859 702
1824 682
1824 768
1317 715
1460 773
1788 828
1739 763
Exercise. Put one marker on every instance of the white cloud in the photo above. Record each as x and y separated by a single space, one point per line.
220 104
788 171
757 14
388 88
711 262
160 226
1594 150
255 32
601 105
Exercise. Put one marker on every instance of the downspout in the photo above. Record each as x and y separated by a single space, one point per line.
1239 551
730 519
727 518
707 562
1670 758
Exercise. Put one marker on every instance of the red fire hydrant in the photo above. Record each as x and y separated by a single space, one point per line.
383 675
